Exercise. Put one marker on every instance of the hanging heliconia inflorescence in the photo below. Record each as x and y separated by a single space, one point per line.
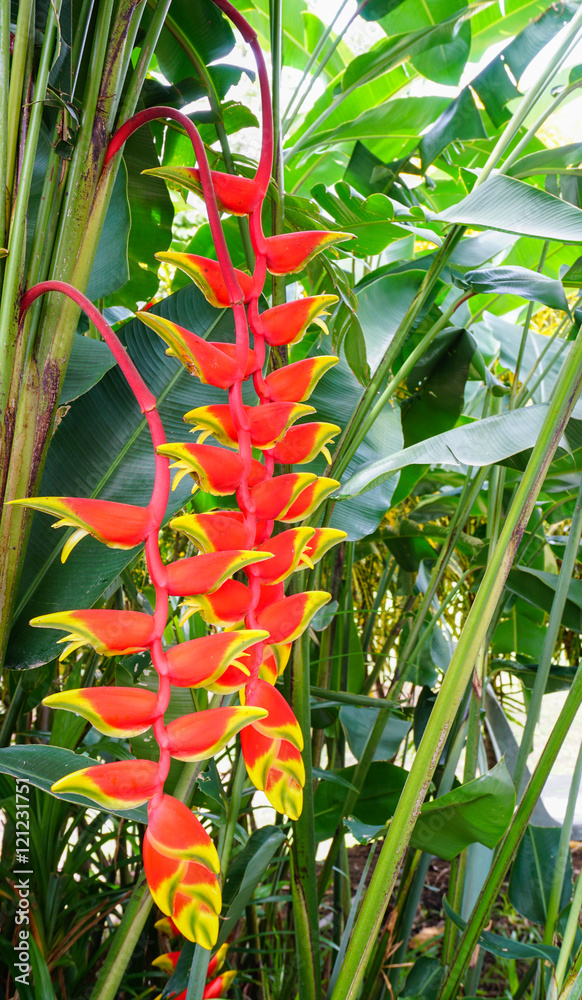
259 622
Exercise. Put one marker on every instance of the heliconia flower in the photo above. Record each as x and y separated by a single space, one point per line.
213 363
199 883
309 499
290 252
295 383
268 423
276 767
197 921
169 960
163 875
217 961
287 619
215 532
109 632
207 275
284 793
287 323
226 606
213 469
165 925
123 784
322 540
216 988
199 662
119 525
268 594
259 754
234 194
275 659
203 734
175 832
114 711
287 549
275 497
303 443
279 723
203 574
235 677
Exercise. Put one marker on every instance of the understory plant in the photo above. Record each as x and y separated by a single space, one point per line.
374 580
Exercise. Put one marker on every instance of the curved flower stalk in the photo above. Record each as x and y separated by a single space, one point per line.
256 622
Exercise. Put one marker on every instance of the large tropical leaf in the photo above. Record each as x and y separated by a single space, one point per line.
512 206
479 811
483 442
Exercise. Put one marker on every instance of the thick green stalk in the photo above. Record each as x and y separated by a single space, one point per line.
455 680
85 204
553 627
13 275
5 76
303 874
572 989
15 93
510 843
124 942
278 354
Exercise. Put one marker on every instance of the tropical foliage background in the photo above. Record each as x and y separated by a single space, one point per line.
456 599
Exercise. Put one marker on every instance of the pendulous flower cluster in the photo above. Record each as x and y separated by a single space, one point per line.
255 622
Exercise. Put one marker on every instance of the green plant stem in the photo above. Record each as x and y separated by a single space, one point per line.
563 854
123 945
287 116
5 76
303 874
14 266
456 678
553 627
572 989
383 584
227 832
278 355
525 332
510 843
198 973
16 96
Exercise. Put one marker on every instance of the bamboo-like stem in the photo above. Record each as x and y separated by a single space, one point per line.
15 93
572 989
4 75
13 275
455 681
